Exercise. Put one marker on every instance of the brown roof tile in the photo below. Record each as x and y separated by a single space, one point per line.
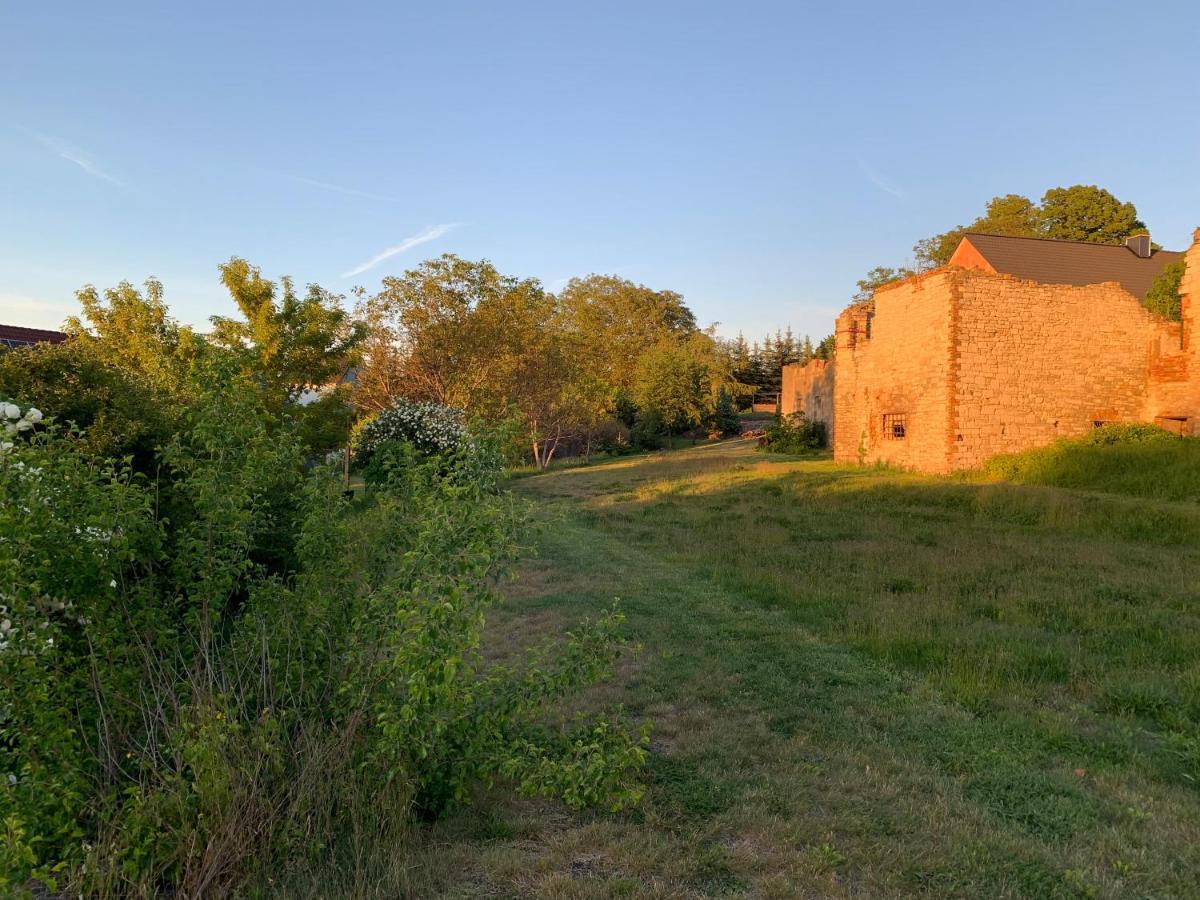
19 336
1072 262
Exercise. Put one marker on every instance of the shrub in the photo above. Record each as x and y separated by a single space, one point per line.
648 430
121 414
429 427
612 437
1163 297
250 674
388 445
794 433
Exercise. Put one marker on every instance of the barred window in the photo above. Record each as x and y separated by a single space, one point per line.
894 427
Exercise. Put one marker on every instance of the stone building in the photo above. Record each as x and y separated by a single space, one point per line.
1015 343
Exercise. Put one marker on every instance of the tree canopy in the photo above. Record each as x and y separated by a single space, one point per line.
1082 212
465 335
288 341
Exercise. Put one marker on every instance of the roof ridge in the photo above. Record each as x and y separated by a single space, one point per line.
1050 240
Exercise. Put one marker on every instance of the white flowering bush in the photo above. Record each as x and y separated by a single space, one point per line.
429 427
409 432
15 421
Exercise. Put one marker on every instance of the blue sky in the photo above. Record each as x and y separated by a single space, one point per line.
756 157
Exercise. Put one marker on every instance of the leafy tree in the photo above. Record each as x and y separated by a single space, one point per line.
288 342
682 381
123 376
462 334
133 332
1164 297
611 321
1089 213
455 332
1078 213
877 278
1012 215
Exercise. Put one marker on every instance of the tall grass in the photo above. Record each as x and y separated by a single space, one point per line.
1137 460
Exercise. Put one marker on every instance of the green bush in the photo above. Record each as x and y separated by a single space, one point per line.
1163 297
229 670
649 429
724 420
794 433
121 413
1136 459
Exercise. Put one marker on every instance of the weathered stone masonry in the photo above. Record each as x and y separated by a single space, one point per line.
809 389
944 370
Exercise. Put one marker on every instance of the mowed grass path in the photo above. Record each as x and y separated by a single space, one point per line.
863 683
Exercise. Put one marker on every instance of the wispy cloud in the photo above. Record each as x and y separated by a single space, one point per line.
336 188
90 167
74 155
35 313
878 180
429 234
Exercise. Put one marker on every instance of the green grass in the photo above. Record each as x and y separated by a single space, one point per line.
862 683
1138 460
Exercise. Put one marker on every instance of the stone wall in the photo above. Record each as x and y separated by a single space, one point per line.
1175 360
893 358
1036 362
980 364
809 389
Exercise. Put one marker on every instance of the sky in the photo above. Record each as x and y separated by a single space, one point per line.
756 157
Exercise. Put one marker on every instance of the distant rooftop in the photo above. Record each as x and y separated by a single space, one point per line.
18 336
1069 262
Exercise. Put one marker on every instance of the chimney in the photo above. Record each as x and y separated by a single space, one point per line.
1139 244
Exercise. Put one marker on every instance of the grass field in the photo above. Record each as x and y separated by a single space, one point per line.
862 683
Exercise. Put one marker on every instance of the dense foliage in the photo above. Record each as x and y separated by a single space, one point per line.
794 433
1164 297
1082 212
1136 459
569 367
759 365
215 668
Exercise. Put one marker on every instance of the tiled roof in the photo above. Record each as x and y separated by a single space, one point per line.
19 336
1072 262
